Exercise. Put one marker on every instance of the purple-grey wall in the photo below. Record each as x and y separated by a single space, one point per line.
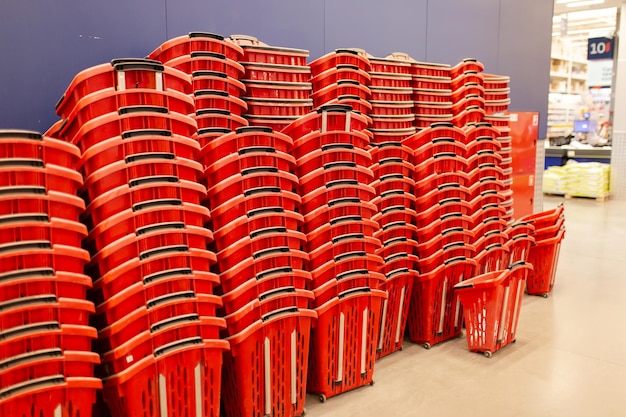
43 43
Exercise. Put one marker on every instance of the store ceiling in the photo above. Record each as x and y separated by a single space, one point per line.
592 20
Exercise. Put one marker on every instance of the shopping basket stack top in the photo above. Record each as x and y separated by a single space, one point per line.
45 337
277 80
262 265
333 166
212 62
156 313
342 77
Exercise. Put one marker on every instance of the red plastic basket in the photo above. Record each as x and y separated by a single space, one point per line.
206 61
341 72
468 101
138 167
519 247
492 303
342 246
341 88
256 71
544 257
23 144
346 283
52 396
399 287
346 264
358 105
255 199
118 74
33 199
217 118
182 379
467 64
220 100
315 141
339 57
424 95
42 254
493 257
278 107
391 65
37 227
332 211
325 119
328 154
26 172
430 69
258 89
197 41
338 227
217 81
142 193
257 51
344 341
391 94
42 281
496 81
435 314
334 171
44 308
268 363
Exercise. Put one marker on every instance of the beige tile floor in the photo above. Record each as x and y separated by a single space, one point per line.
570 355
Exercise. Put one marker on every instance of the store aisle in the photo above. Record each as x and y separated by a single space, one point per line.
568 360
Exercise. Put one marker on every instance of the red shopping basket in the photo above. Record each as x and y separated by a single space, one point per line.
37 227
519 247
138 167
130 221
544 257
492 303
494 257
346 264
391 166
346 282
42 281
338 73
218 100
334 193
328 154
206 61
24 144
339 57
278 107
257 51
359 105
51 396
111 100
120 74
393 198
142 193
256 71
396 229
334 171
253 199
344 341
244 138
218 118
341 246
27 172
42 254
197 41
275 380
435 314
399 287
138 142
44 309
315 141
430 69
335 211
35 199
467 64
218 81
338 227
255 220
325 119
181 379
391 94
277 90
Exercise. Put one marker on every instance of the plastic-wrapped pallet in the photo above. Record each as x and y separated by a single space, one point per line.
555 180
588 179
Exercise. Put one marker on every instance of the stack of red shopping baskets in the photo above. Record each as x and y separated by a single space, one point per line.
486 196
342 76
549 231
211 61
333 166
262 267
156 314
443 230
468 92
45 341
277 82
396 218
391 99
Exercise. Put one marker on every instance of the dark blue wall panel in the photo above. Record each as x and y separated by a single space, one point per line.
296 24
43 44
379 27
525 54
462 29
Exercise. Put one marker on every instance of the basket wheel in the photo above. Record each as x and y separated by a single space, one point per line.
372 382
487 354
544 295
426 345
322 398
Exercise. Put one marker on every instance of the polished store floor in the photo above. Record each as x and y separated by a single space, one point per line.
570 355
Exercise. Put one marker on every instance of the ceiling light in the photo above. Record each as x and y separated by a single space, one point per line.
584 3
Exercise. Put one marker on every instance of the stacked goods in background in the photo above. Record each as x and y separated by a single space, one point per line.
587 179
45 338
158 333
212 62
277 83
262 270
332 164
